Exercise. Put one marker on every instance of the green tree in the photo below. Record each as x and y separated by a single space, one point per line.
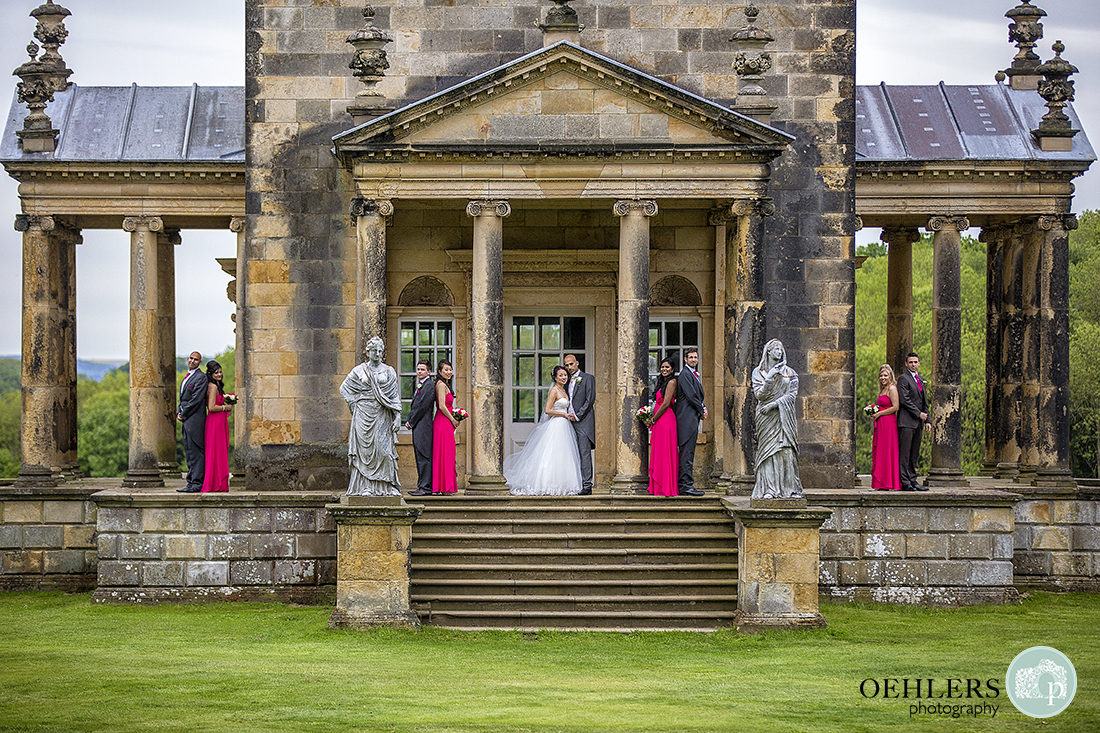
1084 342
9 433
103 419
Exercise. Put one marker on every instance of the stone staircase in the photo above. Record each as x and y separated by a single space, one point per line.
605 562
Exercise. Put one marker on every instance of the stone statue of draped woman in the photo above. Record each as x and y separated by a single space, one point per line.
776 386
373 395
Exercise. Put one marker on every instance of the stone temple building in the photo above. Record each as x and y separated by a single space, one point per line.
502 183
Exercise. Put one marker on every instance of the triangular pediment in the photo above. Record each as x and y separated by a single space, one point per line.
565 100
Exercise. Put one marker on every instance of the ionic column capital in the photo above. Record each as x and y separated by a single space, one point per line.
150 223
361 206
488 207
937 222
645 207
900 235
236 224
1047 222
36 222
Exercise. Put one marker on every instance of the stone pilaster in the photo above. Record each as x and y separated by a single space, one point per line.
742 334
41 358
373 538
370 280
240 353
146 387
945 392
1054 467
899 293
486 428
632 370
167 241
1030 349
67 239
994 239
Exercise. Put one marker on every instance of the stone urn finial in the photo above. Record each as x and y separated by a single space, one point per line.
750 65
51 33
561 24
1055 130
41 77
1024 30
369 65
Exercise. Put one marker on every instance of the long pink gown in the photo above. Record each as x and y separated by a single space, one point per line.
444 480
216 477
664 453
884 450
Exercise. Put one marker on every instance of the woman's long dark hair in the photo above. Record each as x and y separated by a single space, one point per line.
662 380
211 367
439 377
554 373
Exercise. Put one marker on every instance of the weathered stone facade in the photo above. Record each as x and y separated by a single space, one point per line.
47 538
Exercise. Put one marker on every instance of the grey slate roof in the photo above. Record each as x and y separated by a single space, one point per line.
206 124
138 124
967 122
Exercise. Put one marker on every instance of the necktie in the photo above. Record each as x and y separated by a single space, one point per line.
920 384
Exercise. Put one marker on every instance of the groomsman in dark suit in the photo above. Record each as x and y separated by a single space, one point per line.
912 419
192 413
420 422
582 396
689 409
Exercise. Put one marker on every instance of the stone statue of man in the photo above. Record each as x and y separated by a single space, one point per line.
776 388
372 393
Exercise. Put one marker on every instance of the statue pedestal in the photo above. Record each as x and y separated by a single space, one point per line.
373 536
778 555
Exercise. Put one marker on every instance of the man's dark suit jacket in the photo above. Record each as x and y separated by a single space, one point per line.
912 401
688 405
420 417
192 406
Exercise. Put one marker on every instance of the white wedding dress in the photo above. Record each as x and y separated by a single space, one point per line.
548 464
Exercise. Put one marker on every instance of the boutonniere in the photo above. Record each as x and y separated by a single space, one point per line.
576 378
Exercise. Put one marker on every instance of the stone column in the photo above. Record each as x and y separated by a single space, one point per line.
370 279
146 388
633 348
167 241
743 330
994 238
486 430
41 356
1055 469
241 362
67 239
899 293
945 391
373 537
1011 352
1030 331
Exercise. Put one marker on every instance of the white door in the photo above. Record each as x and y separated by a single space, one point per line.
534 342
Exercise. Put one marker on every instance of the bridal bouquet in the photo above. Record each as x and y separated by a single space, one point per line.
645 414
870 409
230 398
460 414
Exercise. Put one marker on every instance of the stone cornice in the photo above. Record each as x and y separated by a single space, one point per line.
222 173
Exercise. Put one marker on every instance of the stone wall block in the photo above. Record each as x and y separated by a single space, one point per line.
905 519
295 572
162 519
904 572
992 519
926 545
778 540
794 567
883 545
1086 538
949 519
1050 538
948 572
970 546
229 546
43 536
68 562
829 572
372 565
206 573
846 519
141 547
23 561
107 546
79 536
63 512
113 573
1021 537
372 595
1074 512
839 546
1002 547
206 519
250 520
861 572
1032 563
22 512
1071 564
375 538
274 545
776 598
316 545
295 520
1033 511
186 546
749 597
251 572
10 537
326 572
162 573
991 572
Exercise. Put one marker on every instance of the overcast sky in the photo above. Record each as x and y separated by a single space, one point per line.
172 43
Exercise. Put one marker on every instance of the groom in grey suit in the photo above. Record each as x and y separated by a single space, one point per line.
582 395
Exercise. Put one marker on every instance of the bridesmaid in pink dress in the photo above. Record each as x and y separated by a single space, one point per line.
217 432
444 479
664 449
885 467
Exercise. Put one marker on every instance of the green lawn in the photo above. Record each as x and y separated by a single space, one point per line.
66 665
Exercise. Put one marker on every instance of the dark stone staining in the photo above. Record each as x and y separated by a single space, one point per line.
509 41
291 64
615 18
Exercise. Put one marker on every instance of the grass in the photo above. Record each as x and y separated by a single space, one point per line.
66 665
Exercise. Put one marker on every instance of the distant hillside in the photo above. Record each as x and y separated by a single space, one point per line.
93 370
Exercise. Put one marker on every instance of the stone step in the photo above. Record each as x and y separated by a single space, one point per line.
533 620
589 588
562 603
649 572
578 556
672 543
551 524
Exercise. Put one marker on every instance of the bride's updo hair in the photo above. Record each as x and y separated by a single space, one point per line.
554 372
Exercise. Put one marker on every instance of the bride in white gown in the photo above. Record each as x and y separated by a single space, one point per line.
548 464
